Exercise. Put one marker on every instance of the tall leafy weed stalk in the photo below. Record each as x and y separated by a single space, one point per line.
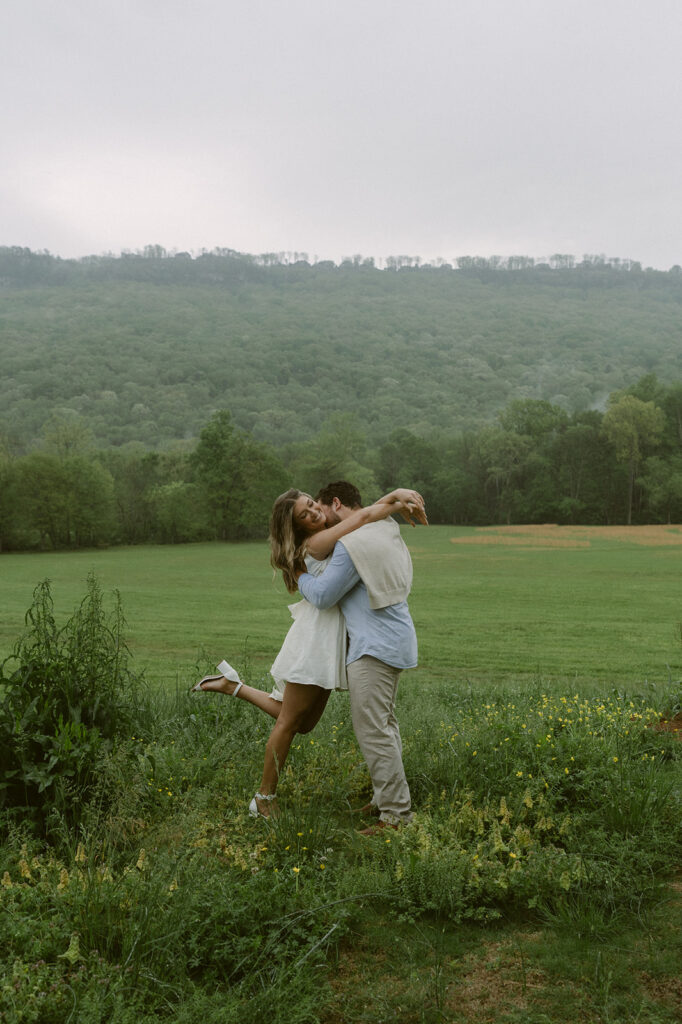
68 696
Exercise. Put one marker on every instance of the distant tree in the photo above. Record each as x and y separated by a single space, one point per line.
9 509
237 479
67 501
66 432
532 418
338 452
179 515
504 454
662 482
405 460
631 425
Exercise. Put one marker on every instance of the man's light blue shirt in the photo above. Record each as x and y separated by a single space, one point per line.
384 633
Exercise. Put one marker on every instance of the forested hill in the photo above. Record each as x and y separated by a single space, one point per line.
146 346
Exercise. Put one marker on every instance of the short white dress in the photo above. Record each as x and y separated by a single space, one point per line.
314 649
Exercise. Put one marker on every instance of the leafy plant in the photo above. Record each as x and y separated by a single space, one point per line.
67 699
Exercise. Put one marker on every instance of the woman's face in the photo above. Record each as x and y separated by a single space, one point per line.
308 514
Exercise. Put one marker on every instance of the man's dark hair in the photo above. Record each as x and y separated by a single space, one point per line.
347 493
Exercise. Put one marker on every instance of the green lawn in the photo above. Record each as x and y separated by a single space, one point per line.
604 614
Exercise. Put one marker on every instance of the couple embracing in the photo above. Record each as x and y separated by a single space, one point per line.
352 631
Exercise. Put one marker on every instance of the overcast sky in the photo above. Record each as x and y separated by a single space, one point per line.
336 127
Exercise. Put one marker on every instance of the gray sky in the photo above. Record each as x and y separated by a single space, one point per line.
336 127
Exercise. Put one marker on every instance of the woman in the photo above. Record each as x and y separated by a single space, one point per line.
311 662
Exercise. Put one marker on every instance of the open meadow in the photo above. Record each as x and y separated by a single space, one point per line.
595 606
538 884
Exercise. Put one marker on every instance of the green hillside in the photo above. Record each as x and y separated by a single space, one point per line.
145 347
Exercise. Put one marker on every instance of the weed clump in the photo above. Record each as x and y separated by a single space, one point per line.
67 697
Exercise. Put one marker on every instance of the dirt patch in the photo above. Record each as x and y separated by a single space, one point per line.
666 990
550 535
501 980
670 725
474 988
539 542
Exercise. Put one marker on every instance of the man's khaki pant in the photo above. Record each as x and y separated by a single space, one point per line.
373 686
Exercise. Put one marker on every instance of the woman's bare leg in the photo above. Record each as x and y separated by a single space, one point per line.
315 712
300 705
259 698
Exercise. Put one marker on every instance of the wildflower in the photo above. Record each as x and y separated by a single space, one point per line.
296 870
25 869
321 867
63 879
141 860
80 857
6 880
173 886
615 759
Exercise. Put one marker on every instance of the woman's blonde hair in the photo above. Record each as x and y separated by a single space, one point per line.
287 539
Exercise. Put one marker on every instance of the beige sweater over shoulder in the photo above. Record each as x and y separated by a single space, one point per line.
382 561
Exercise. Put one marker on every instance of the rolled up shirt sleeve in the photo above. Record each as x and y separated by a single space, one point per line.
329 587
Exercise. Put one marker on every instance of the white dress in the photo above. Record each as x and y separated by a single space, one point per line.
314 649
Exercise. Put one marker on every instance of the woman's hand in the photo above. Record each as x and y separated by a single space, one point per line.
407 496
407 509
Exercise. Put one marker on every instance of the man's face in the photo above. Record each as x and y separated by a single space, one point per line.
335 512
329 514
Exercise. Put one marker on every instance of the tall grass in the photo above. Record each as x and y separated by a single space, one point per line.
152 895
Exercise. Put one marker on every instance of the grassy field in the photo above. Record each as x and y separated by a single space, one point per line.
537 883
590 607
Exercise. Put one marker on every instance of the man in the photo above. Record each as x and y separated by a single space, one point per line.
369 577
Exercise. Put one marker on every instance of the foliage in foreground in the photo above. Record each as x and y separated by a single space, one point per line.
67 696
167 902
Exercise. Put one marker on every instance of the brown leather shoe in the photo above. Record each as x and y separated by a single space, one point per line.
375 830
368 811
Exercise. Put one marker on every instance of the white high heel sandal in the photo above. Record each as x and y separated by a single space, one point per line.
253 806
225 670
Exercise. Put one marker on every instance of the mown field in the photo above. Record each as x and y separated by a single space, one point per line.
538 884
598 606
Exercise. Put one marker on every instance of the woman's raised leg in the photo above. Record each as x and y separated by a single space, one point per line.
259 698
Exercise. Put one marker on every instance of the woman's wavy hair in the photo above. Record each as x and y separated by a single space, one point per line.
287 539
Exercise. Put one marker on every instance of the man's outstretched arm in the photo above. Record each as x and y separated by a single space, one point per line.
338 578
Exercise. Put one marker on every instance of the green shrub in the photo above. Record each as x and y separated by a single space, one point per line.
67 697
